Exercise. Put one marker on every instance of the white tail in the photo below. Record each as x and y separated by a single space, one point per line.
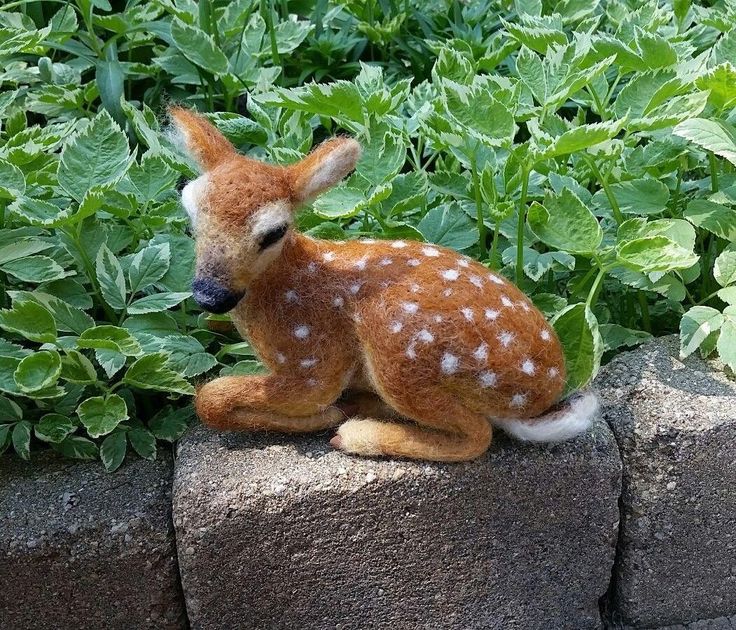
571 418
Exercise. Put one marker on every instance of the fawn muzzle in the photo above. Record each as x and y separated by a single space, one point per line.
211 296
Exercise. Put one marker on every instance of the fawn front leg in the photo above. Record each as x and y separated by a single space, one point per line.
268 403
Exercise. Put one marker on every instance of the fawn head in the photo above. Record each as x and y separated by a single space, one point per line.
242 209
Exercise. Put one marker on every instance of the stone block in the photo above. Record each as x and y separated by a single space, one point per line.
282 532
81 548
675 424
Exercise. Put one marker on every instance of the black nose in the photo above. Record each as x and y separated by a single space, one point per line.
213 297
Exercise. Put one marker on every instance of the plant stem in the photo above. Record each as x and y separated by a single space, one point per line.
617 215
713 172
644 312
595 289
525 172
478 203
267 10
494 245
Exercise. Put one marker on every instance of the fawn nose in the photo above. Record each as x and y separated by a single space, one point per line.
213 297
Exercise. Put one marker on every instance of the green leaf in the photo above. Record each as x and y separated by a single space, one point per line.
340 99
101 415
637 196
35 269
157 302
655 254
110 80
22 439
95 156
111 278
531 71
727 339
718 219
340 201
170 424
38 371
479 114
54 428
21 249
108 337
449 226
565 223
110 361
30 320
721 84
12 180
39 212
583 137
695 326
724 268
151 372
382 159
9 411
712 135
616 336
76 447
143 443
112 450
198 47
77 368
577 328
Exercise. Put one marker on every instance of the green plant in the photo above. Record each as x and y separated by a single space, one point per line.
585 149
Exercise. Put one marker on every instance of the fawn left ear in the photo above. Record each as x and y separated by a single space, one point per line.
202 139
324 167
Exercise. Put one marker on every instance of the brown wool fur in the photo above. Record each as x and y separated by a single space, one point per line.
431 343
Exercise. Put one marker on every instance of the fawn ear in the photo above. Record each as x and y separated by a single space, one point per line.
324 167
201 138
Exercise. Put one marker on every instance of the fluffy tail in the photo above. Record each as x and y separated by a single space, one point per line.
569 418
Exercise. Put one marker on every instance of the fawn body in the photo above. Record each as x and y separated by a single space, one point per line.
420 332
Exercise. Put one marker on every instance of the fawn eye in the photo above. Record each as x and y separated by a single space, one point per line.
274 235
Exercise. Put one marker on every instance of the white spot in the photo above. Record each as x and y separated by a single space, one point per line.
506 302
301 332
311 382
291 296
312 267
495 279
524 305
395 327
328 256
450 274
518 400
432 252
411 351
410 307
354 288
492 314
385 284
545 335
425 336
368 241
481 352
487 379
386 261
338 301
308 362
413 262
361 264
468 313
449 363
463 263
398 244
505 337
414 287
528 367
447 292
281 357
438 318
553 372
477 281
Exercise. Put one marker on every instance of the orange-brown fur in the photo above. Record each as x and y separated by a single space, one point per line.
443 342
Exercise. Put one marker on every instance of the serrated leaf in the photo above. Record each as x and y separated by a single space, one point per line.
449 226
98 155
712 135
655 254
198 47
30 320
112 450
143 443
170 424
54 428
157 302
340 201
714 217
577 328
101 415
22 439
151 372
108 337
76 447
583 137
77 368
39 212
565 223
111 278
637 196
724 268
727 338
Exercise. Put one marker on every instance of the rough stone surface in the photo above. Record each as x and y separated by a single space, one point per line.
721 623
675 424
81 548
281 532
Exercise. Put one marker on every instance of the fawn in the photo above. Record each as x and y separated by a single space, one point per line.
434 346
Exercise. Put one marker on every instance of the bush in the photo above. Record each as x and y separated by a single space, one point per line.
586 149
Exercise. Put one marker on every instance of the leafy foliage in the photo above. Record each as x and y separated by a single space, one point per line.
584 149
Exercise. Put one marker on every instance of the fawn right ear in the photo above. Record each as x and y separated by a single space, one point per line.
324 167
202 139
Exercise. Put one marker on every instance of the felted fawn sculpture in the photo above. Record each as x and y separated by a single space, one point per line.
439 346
